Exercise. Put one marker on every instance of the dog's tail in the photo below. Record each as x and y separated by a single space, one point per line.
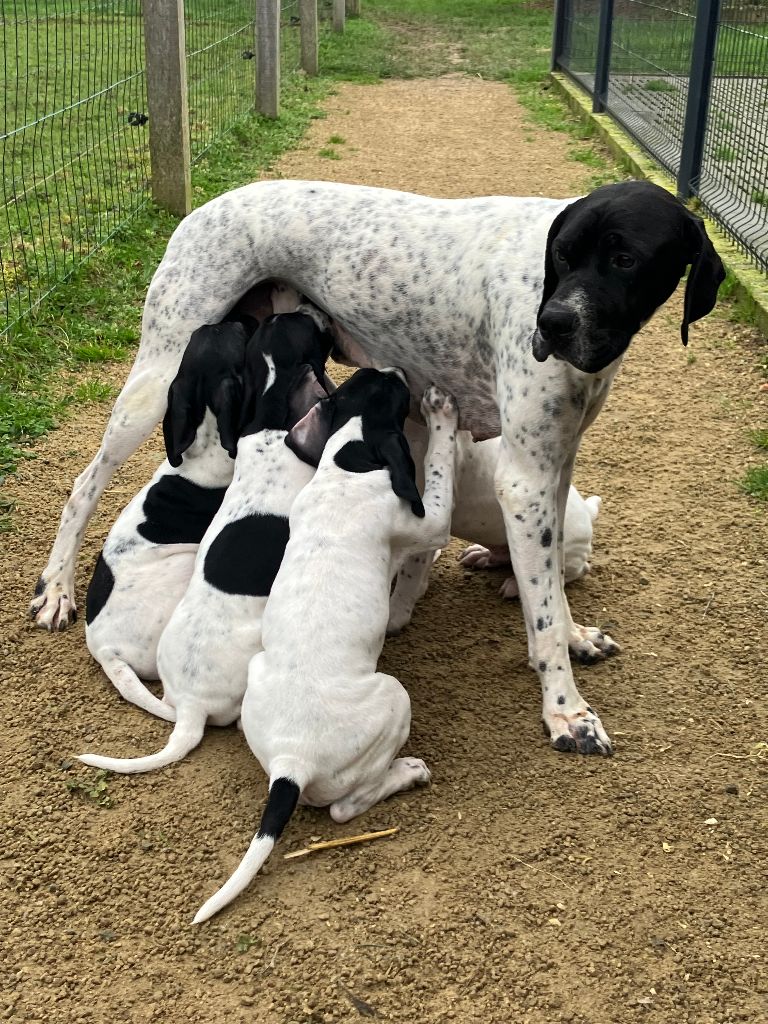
187 733
281 802
131 688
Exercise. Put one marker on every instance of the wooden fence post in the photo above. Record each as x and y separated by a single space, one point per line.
167 105
308 29
268 50
339 15
353 8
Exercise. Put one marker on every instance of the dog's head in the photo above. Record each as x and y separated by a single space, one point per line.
209 378
284 372
611 260
381 399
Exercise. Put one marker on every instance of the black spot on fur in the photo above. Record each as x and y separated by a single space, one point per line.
542 666
540 624
99 589
561 699
281 802
179 512
39 586
546 538
246 555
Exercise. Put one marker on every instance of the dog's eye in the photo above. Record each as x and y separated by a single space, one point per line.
560 256
623 260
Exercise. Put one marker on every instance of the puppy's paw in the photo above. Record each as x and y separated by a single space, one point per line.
53 606
576 729
509 589
438 404
285 298
588 645
414 771
399 618
478 557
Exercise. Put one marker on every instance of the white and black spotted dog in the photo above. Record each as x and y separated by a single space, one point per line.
215 629
147 559
521 308
323 722
477 517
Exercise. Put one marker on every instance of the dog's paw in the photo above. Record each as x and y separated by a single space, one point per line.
577 730
53 606
477 557
509 589
399 618
414 771
588 645
438 404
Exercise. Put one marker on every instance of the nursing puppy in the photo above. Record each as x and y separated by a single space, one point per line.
477 517
148 556
323 723
204 651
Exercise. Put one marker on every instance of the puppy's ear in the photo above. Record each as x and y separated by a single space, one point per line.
183 416
394 452
550 274
226 405
254 381
305 392
704 278
309 436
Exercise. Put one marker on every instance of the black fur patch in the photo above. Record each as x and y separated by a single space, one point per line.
99 589
246 555
281 802
179 512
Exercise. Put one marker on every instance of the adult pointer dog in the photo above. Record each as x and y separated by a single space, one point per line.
521 308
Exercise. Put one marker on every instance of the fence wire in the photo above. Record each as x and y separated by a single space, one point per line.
74 153
650 71
74 144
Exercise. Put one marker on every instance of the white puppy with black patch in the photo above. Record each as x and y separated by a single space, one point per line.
148 557
477 517
323 722
214 631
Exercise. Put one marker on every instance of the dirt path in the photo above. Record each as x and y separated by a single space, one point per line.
525 887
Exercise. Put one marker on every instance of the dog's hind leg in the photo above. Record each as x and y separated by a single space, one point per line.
404 773
131 688
411 584
138 410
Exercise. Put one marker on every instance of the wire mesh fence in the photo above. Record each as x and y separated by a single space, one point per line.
73 150
655 86
74 134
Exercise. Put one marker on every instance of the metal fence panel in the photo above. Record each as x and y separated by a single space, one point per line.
73 148
650 71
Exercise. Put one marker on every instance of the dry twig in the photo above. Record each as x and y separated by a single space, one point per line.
344 841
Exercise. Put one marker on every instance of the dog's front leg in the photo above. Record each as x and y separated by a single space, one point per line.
527 487
587 644
411 584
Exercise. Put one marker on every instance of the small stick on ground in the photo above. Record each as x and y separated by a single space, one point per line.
344 841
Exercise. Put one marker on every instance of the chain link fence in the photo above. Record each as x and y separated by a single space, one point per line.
74 138
688 79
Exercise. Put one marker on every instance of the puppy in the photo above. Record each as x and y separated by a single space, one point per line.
323 723
204 651
148 557
477 517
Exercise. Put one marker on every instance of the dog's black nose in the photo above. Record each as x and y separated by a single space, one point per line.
558 321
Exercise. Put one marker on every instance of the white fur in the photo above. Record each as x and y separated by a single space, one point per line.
316 710
150 579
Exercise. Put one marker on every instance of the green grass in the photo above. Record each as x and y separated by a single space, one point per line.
725 153
759 196
329 153
759 438
337 140
660 85
755 482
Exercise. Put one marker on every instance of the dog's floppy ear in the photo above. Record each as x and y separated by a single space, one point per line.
394 452
550 274
305 392
309 436
226 406
704 278
183 416
254 381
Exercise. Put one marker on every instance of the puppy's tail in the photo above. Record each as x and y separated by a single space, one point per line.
131 688
281 802
187 733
